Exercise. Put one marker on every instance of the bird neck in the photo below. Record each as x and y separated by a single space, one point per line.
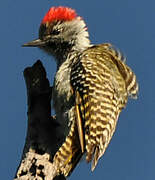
77 44
68 57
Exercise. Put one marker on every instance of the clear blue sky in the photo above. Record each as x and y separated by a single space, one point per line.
130 26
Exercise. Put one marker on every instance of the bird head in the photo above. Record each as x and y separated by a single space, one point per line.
60 31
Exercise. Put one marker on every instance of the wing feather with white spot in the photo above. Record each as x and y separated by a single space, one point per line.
102 81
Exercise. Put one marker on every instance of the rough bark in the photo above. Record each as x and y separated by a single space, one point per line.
42 140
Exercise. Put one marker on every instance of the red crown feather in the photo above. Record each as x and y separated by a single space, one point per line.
59 13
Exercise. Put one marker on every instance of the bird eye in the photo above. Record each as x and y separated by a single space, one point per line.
55 32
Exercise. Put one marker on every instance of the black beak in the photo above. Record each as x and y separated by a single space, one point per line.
35 43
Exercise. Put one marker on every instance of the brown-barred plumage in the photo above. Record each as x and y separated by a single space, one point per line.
101 83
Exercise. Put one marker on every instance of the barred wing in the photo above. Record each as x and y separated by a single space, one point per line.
101 83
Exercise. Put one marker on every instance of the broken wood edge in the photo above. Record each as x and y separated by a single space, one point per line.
42 139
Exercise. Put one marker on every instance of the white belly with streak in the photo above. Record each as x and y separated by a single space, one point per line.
62 95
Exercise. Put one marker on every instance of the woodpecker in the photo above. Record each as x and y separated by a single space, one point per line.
91 87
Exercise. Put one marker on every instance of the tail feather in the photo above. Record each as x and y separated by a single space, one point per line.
95 158
69 154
